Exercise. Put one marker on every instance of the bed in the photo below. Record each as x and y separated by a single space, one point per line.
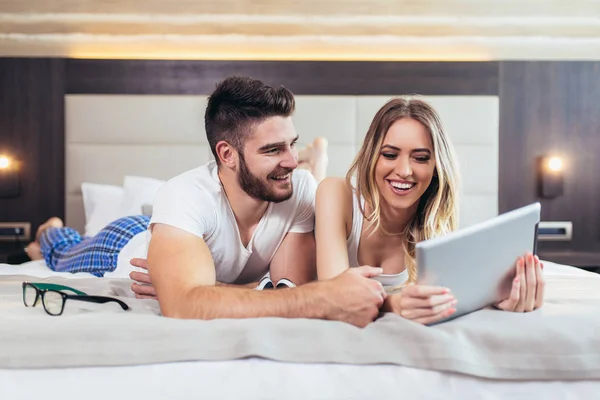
52 357
102 353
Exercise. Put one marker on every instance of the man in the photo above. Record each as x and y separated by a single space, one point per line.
218 229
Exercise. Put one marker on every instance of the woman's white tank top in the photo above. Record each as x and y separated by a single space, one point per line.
353 241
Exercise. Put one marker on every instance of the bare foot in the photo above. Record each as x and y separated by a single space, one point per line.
314 158
53 222
34 251
320 159
304 157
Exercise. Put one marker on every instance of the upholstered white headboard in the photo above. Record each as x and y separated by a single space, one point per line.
159 136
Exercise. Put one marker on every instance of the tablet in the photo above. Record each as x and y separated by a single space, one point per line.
477 263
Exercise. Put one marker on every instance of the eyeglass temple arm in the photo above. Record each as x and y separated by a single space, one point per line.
99 299
53 286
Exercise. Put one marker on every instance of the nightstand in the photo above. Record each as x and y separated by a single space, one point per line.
13 253
14 237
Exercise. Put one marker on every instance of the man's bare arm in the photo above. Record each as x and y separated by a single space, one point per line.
295 259
182 270
143 288
251 285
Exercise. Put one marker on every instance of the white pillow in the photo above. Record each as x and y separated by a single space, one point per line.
101 204
138 191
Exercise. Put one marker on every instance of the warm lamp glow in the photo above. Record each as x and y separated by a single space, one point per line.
4 162
9 177
281 48
252 54
555 164
550 176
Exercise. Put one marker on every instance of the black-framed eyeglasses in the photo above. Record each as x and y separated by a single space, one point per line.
53 298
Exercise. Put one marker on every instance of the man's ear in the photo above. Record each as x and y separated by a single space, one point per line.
227 154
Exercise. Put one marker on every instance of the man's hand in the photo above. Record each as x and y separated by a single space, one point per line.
528 286
142 287
353 297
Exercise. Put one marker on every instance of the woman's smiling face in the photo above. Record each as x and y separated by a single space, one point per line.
406 164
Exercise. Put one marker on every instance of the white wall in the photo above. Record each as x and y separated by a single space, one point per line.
422 30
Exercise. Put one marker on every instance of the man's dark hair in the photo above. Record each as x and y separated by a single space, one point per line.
237 104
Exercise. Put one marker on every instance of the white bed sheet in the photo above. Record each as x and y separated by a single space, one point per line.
38 269
262 379
265 379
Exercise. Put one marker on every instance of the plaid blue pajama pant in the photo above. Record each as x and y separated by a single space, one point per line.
65 250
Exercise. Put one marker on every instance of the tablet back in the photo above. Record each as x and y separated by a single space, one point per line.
478 263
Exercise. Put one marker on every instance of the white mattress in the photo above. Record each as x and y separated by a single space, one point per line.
264 379
261 379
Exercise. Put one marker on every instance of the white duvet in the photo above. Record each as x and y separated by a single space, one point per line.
40 270
265 379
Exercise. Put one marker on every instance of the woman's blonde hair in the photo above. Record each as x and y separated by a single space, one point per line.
437 212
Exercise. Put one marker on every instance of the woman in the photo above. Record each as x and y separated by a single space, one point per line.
402 188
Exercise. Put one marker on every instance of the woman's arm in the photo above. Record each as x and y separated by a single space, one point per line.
295 259
333 216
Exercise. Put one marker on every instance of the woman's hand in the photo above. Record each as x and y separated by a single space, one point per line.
422 304
527 293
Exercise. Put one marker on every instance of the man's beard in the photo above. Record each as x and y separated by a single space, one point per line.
259 188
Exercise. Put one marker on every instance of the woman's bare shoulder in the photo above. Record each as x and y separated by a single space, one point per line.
335 187
335 194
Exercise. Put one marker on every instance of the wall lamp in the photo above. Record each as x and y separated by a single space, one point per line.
550 176
9 177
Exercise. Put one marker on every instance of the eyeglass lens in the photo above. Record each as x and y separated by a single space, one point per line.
29 295
53 302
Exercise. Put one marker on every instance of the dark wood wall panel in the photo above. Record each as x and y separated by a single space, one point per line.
32 131
553 107
302 77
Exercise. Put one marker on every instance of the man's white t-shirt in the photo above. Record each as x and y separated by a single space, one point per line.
196 203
